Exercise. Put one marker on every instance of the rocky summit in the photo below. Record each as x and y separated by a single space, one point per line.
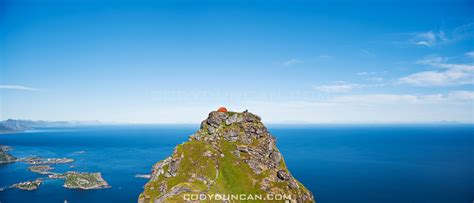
231 158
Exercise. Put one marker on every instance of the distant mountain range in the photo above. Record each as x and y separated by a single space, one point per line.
12 125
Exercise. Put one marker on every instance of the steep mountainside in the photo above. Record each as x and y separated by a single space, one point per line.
232 156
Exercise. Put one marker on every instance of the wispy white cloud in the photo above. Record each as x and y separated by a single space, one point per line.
367 53
337 87
425 38
366 73
376 79
439 78
292 62
424 43
324 56
449 75
451 97
375 98
17 87
442 62
371 76
461 95
463 32
470 54
433 38
431 60
450 106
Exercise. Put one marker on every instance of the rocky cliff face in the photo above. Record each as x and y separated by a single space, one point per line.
231 154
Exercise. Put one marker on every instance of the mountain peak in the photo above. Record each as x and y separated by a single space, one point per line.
231 153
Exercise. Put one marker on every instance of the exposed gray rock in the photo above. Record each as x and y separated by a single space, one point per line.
236 153
211 129
275 158
232 119
158 168
216 118
249 117
163 187
293 185
172 192
283 175
254 165
173 166
243 149
232 135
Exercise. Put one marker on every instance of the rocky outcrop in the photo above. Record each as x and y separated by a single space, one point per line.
231 153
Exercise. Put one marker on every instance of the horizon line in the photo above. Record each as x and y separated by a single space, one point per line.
99 122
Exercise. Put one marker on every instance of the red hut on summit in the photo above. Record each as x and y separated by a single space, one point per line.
222 109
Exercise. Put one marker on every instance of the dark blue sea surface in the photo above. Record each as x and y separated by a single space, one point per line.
338 163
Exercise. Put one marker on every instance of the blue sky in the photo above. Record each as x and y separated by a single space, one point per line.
288 61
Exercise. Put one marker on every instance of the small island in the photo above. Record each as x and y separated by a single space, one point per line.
28 185
41 169
45 161
5 157
72 179
5 148
85 181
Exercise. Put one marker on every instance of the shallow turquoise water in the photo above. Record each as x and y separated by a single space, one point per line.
338 163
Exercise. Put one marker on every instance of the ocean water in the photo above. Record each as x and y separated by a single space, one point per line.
338 163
